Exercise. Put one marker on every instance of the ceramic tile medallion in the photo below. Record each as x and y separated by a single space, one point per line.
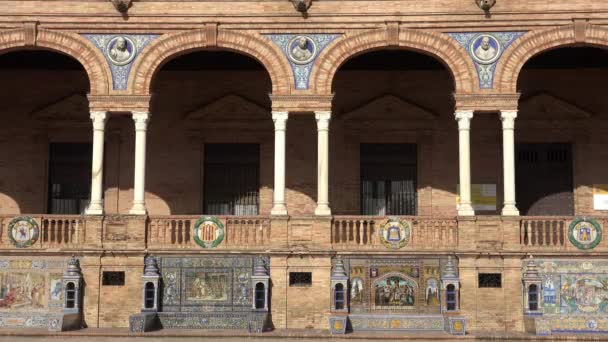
302 49
23 231
120 50
395 233
208 232
585 233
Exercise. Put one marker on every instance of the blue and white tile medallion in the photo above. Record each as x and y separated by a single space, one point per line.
120 52
485 49
302 51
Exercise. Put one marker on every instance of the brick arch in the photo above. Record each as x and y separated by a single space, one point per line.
69 44
167 47
437 45
536 42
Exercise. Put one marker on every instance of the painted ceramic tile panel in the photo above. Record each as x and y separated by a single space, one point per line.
22 290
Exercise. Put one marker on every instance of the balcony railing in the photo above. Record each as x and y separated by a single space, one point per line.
361 232
548 232
175 232
55 231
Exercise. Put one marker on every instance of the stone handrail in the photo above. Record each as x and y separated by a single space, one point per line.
361 232
175 232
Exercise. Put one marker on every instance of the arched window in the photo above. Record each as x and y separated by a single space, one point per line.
450 297
339 297
260 295
149 296
70 295
533 297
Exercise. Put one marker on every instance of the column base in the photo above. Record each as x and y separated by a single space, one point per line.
510 210
279 210
138 209
465 210
94 209
322 210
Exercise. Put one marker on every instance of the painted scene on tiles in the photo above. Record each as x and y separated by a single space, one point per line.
207 286
22 290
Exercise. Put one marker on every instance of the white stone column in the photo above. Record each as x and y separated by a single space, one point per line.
278 199
323 163
508 152
96 204
464 153
139 191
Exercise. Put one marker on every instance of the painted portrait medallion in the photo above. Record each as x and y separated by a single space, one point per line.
585 233
395 233
120 50
208 232
485 49
23 231
302 49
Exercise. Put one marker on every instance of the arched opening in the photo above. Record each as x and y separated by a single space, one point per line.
558 132
533 297
211 129
339 297
260 296
149 294
45 164
450 297
393 136
70 296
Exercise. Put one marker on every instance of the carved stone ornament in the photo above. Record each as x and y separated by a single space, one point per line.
486 5
301 6
121 6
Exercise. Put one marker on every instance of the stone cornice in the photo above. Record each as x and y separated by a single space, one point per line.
119 103
301 103
486 102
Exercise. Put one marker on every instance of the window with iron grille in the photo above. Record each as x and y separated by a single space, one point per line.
450 295
113 278
231 179
69 178
490 280
388 179
300 278
339 297
533 297
260 295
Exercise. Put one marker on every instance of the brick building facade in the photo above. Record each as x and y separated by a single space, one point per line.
353 165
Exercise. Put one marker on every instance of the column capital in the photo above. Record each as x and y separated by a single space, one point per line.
99 120
508 118
141 120
464 119
280 120
322 118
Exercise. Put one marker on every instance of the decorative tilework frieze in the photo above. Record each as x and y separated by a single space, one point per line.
485 49
120 51
302 50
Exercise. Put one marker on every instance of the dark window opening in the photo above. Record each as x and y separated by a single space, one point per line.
339 297
149 296
450 299
232 180
111 278
70 296
493 280
544 181
300 278
533 297
69 178
260 295
388 179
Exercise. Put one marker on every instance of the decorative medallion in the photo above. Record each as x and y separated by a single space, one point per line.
208 232
485 49
23 231
302 51
585 233
395 233
120 50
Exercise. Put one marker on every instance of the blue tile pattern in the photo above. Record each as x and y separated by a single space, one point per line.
120 73
302 71
500 41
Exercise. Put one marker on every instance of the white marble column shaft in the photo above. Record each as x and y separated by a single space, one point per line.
280 127
464 156
508 151
141 127
96 204
323 163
